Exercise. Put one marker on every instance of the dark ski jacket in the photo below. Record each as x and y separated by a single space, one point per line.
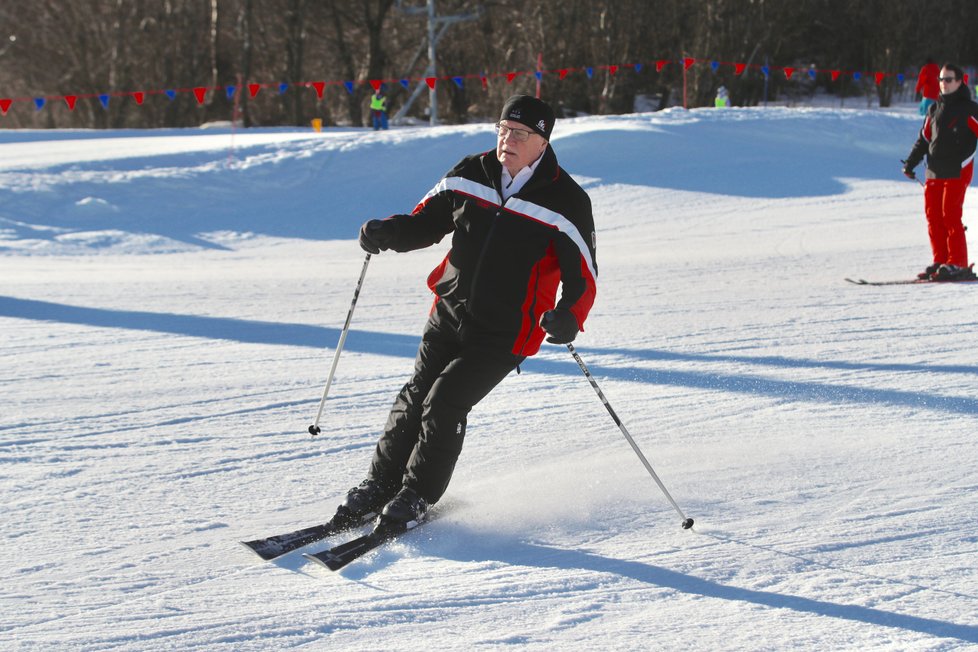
948 137
507 257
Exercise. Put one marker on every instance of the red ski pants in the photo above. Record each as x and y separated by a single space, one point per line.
943 203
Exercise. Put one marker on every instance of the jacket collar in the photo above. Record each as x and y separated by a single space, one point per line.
546 173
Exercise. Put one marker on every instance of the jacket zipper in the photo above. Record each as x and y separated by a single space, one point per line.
531 313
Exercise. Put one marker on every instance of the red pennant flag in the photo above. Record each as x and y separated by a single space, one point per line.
739 68
510 76
253 89
835 75
139 96
199 93
431 81
880 76
320 87
70 101
376 84
485 83
660 64
965 79
788 72
562 72
5 105
687 62
612 70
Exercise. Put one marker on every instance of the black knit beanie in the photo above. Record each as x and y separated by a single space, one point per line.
535 114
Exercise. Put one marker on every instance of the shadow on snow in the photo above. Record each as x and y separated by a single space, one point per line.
391 344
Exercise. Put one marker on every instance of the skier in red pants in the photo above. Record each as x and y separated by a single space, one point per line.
948 139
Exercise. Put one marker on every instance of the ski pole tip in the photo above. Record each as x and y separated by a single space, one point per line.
314 430
687 524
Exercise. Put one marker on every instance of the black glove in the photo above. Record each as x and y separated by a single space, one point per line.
908 170
560 324
376 236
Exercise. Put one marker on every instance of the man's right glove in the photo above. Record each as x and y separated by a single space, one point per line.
376 236
560 324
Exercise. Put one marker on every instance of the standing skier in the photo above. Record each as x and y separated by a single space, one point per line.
519 226
948 139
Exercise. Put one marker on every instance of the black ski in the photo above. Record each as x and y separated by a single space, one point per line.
281 544
339 556
914 281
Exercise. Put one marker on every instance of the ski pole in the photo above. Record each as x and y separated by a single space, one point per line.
314 428
687 522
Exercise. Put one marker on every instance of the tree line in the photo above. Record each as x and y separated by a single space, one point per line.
90 47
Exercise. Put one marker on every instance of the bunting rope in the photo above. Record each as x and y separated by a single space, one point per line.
253 89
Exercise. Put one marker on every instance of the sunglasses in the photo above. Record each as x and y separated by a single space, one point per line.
947 79
522 135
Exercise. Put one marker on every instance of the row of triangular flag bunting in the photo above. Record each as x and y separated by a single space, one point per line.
200 92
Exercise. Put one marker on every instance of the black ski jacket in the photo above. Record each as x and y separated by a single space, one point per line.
507 257
948 137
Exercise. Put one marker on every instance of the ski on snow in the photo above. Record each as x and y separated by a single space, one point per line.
281 544
908 281
339 556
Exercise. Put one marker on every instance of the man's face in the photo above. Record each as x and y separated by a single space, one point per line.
517 146
949 81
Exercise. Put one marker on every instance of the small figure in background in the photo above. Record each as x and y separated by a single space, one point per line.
378 108
927 85
723 100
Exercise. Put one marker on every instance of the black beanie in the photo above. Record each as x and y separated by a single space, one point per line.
535 114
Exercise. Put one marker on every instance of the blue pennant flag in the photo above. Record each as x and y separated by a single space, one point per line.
857 76
900 77
715 65
349 87
172 94
590 72
282 88
812 73
766 71
405 83
539 75
230 91
104 99
638 67
39 103
458 82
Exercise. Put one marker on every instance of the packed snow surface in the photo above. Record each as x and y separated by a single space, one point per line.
170 302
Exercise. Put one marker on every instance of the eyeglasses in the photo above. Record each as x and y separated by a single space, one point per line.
521 135
947 79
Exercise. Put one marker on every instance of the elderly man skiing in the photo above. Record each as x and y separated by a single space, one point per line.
521 228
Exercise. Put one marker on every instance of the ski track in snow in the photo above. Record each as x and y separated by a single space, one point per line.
169 310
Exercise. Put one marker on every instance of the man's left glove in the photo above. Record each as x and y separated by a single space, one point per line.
908 170
560 324
376 236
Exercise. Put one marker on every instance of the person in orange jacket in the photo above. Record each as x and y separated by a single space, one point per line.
927 85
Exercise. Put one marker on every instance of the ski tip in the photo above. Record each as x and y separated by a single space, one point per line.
263 553
317 558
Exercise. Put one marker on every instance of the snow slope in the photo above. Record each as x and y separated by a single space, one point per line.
169 303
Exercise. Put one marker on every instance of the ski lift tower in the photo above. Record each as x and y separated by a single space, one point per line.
433 21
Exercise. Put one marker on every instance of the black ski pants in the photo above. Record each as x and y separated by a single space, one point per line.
456 367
